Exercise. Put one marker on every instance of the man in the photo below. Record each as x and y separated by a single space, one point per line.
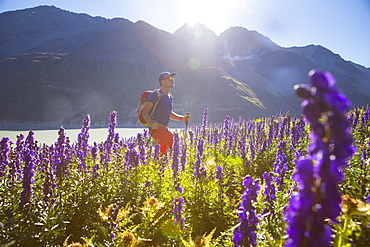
163 112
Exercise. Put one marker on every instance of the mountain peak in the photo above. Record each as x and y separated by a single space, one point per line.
198 31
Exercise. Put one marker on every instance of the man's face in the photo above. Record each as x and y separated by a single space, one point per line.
168 82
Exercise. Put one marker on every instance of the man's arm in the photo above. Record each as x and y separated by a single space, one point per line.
145 112
178 117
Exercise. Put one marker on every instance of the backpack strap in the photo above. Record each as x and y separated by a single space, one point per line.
156 102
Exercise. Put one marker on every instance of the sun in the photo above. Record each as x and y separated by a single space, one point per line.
212 13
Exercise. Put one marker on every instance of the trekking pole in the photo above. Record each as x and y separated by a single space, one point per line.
186 124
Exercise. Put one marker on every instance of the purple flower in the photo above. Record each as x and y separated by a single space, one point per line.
4 155
28 178
83 143
132 157
245 234
59 157
226 128
112 137
141 146
49 185
269 192
219 174
19 149
198 171
319 173
183 157
96 167
280 165
204 123
178 204
175 156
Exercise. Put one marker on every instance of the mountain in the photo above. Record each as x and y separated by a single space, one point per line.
57 66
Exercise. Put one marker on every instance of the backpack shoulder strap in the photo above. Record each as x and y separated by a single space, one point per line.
156 102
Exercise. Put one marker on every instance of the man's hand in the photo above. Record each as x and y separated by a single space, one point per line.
186 118
155 125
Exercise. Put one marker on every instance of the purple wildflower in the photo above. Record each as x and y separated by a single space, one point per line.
269 192
175 156
4 155
28 178
141 147
219 174
204 123
59 159
198 171
132 157
183 157
30 140
191 136
178 204
83 143
280 165
245 234
94 154
49 185
220 181
19 149
319 173
226 128
109 143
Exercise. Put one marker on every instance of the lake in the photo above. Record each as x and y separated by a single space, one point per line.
50 136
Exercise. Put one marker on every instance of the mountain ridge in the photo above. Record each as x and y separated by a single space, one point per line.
57 66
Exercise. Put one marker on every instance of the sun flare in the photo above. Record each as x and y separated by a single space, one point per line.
211 13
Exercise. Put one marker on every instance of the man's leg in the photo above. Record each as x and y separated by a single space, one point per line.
164 136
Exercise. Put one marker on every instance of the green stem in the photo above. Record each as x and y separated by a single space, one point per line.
343 233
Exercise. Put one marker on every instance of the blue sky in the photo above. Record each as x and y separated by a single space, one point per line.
339 25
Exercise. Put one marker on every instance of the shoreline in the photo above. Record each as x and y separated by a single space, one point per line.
52 126
12 126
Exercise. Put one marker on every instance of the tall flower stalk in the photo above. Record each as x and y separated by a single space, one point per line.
178 204
83 143
28 178
246 233
319 173
4 155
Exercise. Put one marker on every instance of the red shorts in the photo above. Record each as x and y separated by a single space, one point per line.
164 136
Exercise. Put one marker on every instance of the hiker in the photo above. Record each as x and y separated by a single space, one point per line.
158 124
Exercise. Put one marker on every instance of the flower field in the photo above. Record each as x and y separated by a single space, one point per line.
276 181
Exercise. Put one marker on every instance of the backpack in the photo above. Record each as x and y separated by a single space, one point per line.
143 98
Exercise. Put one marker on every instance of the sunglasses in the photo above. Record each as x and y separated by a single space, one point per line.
170 78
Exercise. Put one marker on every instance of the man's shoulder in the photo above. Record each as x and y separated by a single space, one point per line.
153 96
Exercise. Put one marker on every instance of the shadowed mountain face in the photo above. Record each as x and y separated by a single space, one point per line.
57 66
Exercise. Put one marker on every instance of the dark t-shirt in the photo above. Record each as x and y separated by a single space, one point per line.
164 108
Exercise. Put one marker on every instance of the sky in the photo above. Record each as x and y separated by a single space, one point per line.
343 26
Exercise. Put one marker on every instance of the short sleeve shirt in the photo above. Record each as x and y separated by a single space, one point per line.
163 110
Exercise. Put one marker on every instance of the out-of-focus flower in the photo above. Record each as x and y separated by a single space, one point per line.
354 206
319 173
152 203
129 239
